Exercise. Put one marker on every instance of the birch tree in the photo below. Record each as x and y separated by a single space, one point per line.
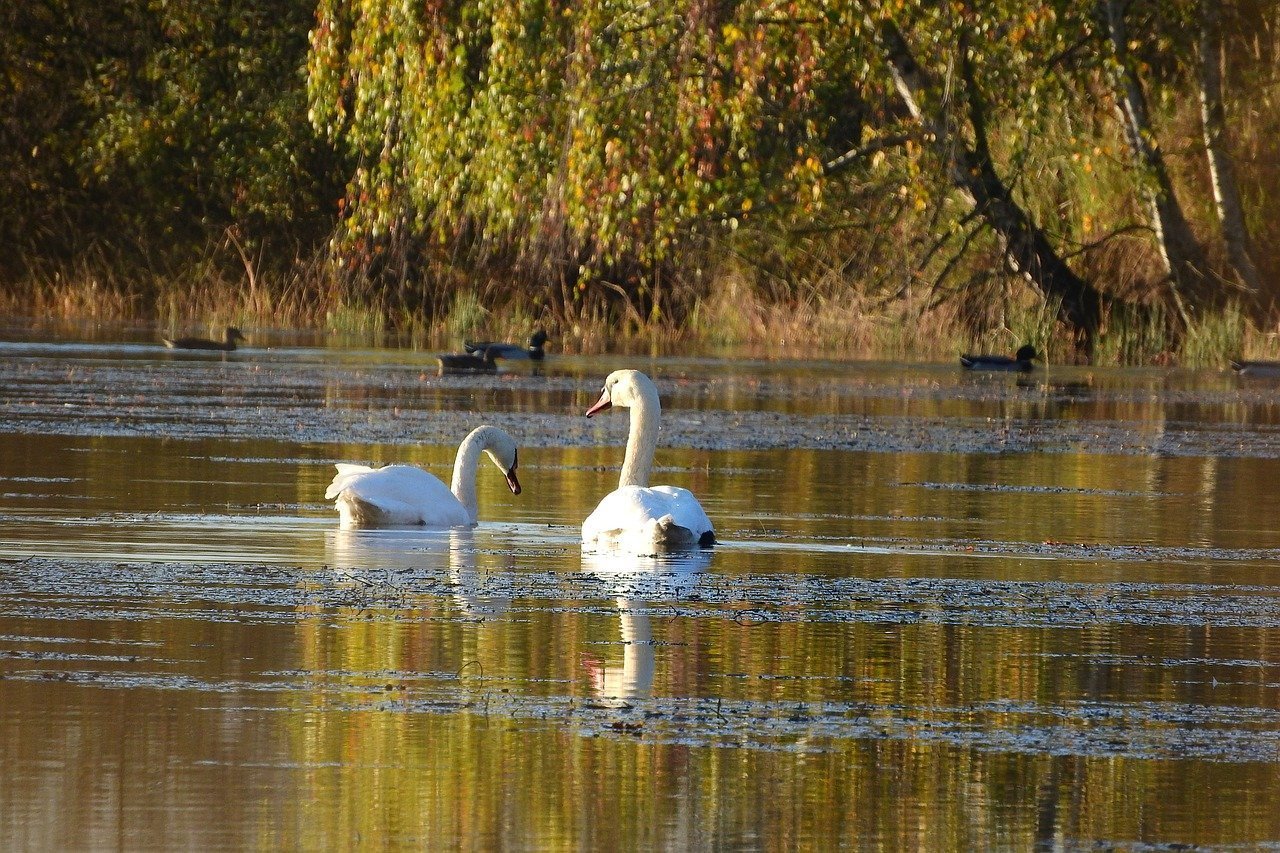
1180 252
1222 174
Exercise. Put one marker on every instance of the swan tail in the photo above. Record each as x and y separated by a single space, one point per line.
671 536
354 511
346 471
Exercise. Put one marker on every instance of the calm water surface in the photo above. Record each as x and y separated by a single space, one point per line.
948 610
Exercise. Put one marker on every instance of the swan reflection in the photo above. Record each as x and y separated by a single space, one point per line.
636 581
405 553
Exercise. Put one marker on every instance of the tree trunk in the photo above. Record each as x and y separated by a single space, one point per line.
1222 174
1027 250
1183 259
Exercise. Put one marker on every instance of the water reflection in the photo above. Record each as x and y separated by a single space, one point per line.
978 614
634 679
668 577
398 556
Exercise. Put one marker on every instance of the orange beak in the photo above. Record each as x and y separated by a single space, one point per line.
601 404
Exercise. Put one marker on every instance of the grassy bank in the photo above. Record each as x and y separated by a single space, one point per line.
729 316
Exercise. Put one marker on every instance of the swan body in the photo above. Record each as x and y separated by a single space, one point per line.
227 344
1019 363
403 495
648 520
638 518
511 351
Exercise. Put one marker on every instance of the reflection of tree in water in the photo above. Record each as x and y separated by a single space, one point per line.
401 554
640 579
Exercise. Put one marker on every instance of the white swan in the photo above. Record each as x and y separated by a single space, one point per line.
397 495
638 518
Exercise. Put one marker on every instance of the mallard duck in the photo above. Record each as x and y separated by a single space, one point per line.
227 344
482 361
1019 363
511 351
1256 368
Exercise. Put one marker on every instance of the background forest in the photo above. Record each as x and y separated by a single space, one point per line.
873 178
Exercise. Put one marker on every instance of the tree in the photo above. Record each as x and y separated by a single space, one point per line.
1222 174
144 130
1025 247
599 134
1184 259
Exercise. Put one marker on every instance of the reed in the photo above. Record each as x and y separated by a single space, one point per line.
732 311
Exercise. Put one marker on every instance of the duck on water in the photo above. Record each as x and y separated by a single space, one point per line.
1269 369
482 361
1020 362
511 351
227 344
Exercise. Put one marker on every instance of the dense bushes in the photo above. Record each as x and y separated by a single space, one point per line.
645 164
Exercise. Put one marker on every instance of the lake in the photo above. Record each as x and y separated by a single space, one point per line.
947 609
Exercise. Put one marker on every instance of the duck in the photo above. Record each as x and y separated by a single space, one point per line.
1020 362
511 351
479 362
405 495
1256 368
637 518
227 344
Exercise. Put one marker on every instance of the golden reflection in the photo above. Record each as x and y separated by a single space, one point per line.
405 696
675 574
400 552
634 679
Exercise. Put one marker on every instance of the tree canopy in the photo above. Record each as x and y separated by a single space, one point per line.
885 146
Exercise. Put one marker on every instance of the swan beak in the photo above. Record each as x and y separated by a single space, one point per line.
512 483
603 403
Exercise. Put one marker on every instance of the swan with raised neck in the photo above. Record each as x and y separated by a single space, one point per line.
633 390
396 495
636 517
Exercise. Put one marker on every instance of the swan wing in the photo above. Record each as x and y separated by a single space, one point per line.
685 510
347 472
647 520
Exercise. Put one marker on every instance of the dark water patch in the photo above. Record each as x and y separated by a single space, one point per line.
399 404
273 594
1032 490
727 431
1134 730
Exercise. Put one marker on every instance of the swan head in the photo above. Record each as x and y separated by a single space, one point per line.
501 449
234 334
623 388
539 338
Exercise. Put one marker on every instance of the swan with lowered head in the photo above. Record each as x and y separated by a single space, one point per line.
400 495
638 518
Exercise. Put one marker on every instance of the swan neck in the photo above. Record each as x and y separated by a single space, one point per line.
464 474
642 440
